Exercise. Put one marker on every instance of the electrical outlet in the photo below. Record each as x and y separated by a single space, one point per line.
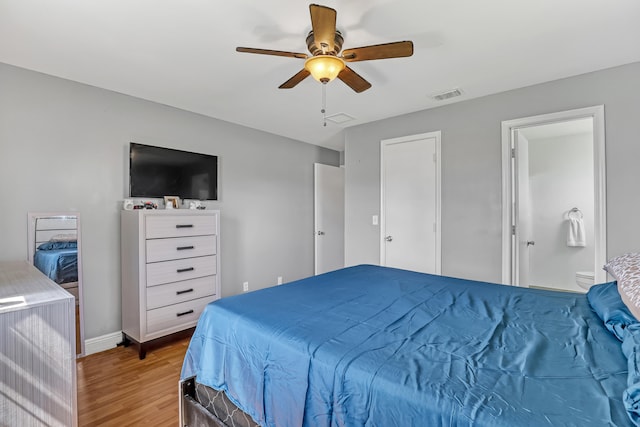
245 286
279 280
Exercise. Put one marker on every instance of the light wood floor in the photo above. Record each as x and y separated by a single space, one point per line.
116 388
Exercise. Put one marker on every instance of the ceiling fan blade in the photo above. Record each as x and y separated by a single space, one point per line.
300 76
379 51
353 80
272 52
323 22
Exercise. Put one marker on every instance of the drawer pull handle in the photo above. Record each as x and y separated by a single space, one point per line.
184 248
184 270
186 291
184 225
184 313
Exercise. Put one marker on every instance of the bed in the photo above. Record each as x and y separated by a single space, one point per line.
56 249
58 260
376 346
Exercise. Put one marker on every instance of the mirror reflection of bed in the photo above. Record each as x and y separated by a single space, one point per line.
54 249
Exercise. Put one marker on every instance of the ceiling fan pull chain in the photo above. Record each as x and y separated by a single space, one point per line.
324 104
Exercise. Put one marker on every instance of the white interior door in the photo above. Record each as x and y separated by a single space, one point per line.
410 194
328 217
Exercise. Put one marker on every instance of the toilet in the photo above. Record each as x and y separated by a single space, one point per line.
584 279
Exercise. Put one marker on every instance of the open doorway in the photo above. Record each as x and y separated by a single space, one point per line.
554 229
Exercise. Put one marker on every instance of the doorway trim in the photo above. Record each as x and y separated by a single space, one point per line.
438 226
599 173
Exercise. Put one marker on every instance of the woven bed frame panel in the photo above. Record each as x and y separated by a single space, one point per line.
195 415
210 402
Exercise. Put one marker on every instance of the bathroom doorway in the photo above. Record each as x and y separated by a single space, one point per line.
554 232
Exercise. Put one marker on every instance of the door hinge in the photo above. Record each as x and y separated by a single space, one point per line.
513 153
513 230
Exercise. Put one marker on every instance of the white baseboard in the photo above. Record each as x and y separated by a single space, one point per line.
102 343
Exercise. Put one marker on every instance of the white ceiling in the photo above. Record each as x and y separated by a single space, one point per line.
182 52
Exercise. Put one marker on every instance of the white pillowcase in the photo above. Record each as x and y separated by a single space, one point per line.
626 270
64 238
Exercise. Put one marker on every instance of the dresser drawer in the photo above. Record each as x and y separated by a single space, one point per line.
176 315
159 273
173 293
180 226
180 247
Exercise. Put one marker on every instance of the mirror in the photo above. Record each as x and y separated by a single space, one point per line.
54 248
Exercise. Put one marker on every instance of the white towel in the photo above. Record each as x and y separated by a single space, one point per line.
576 236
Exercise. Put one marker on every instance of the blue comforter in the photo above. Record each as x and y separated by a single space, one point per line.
376 346
60 265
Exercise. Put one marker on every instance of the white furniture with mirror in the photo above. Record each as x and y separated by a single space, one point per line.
170 272
54 248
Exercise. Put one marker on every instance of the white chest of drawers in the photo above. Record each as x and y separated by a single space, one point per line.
170 272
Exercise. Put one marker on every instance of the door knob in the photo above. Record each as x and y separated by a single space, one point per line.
388 238
530 243
320 233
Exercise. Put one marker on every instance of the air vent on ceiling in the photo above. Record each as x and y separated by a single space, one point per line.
340 118
446 95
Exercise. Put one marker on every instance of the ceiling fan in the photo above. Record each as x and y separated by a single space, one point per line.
325 43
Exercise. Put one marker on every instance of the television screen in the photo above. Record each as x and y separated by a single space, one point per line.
156 172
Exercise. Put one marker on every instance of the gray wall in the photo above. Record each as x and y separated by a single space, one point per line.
64 147
471 167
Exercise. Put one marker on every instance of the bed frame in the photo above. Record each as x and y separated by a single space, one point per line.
203 406
45 226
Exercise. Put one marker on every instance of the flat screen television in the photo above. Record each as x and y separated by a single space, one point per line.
155 172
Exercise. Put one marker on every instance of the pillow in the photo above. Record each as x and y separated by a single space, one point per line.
64 238
51 245
607 304
626 270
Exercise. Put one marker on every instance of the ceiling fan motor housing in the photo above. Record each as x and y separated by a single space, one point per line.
315 50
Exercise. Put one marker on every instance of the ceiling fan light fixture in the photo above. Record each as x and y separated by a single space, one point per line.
324 43
324 68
